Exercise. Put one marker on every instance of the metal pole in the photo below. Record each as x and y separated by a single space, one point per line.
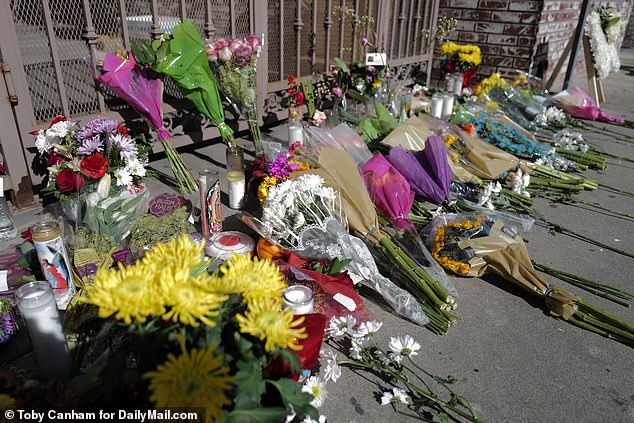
576 42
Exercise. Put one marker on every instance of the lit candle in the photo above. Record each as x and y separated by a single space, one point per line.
237 186
437 101
447 106
39 310
299 298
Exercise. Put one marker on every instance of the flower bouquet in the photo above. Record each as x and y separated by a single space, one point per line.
165 334
473 245
461 58
304 216
234 62
144 93
603 27
100 167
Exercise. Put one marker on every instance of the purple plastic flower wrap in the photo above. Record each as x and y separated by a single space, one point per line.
427 171
389 190
134 86
578 104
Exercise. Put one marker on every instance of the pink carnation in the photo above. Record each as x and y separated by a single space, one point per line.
220 43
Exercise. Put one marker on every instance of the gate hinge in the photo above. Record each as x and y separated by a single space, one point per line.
6 73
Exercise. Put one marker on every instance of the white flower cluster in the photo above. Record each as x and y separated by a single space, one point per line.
606 56
53 136
295 204
484 197
519 182
551 116
570 140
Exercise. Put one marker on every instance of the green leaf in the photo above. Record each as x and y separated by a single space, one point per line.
289 358
249 383
257 415
291 392
341 65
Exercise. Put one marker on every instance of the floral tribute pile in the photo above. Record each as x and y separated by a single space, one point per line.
378 194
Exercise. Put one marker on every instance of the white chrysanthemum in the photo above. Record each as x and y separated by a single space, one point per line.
310 182
332 370
123 177
519 183
136 168
340 326
42 143
485 196
402 347
317 388
125 144
60 129
395 397
606 56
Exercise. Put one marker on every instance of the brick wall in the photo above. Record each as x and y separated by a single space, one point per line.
526 35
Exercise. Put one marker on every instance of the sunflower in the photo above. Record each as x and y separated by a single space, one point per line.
266 321
190 302
131 292
251 277
196 378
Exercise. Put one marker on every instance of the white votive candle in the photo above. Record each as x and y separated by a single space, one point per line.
39 310
295 133
447 106
299 298
237 187
436 105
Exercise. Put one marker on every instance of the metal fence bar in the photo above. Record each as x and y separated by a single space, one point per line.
410 21
394 14
327 26
299 25
355 26
210 29
52 42
401 22
281 52
91 38
155 29
260 27
342 20
124 24
313 39
232 17
417 19
183 10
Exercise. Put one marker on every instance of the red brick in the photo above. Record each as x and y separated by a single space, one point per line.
472 37
444 3
520 29
495 28
515 51
450 13
476 15
514 17
521 63
469 4
525 5
499 61
525 41
488 50
509 40
494 4
465 26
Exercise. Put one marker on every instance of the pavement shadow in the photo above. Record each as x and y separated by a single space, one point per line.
515 290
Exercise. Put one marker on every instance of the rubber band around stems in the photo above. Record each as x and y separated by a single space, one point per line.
374 228
550 288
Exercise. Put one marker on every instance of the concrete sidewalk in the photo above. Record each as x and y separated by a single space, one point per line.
512 360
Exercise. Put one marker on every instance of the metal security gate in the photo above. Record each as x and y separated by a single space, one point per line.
51 46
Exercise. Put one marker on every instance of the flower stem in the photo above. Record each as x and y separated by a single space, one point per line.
558 228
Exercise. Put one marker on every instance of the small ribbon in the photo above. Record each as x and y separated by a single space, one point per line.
550 288
365 238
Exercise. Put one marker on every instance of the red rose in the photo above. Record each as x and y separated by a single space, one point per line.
94 166
68 181
55 159
122 129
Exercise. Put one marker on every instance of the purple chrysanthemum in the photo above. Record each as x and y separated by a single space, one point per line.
127 147
280 168
97 127
90 145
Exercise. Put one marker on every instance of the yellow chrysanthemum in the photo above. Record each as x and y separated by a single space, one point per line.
450 139
493 81
263 189
302 165
192 301
377 83
448 48
267 321
6 402
197 378
251 277
129 293
182 254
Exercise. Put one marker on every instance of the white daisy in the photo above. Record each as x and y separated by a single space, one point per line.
308 419
135 168
123 177
395 397
333 370
402 347
317 388
367 329
339 326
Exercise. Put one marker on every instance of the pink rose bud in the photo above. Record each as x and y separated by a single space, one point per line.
237 44
221 43
254 41
224 54
337 91
211 53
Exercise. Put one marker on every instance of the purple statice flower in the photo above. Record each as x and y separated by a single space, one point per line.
364 41
280 168
97 127
127 147
242 55
90 145
337 92
370 70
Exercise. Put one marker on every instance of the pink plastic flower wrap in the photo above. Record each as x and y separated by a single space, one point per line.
389 190
134 86
578 104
